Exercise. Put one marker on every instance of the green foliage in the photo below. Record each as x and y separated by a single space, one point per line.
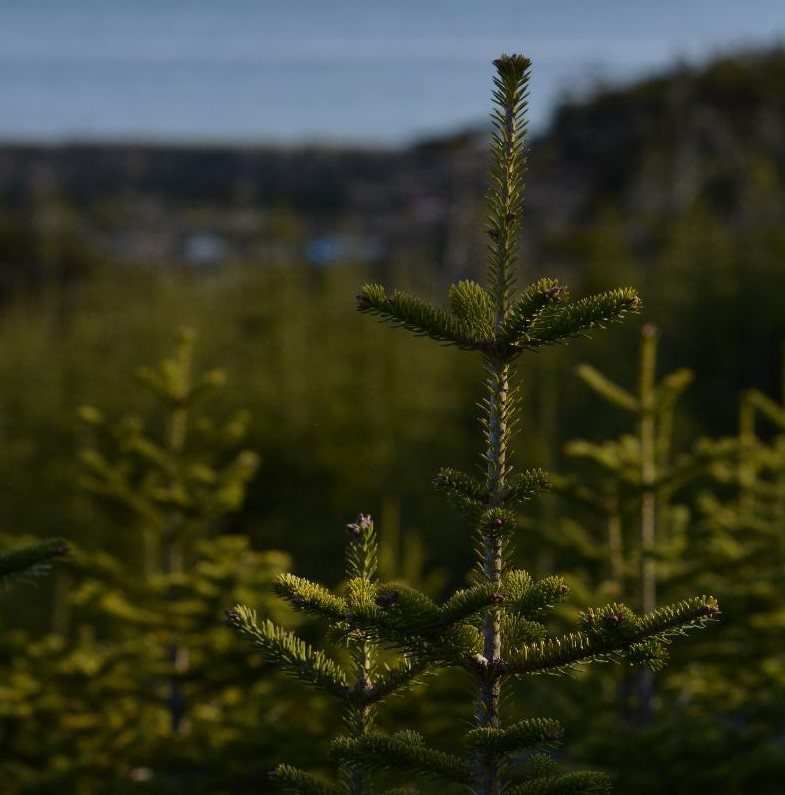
282 648
362 685
174 494
403 751
138 631
291 779
634 479
739 535
553 323
714 513
641 191
522 735
472 630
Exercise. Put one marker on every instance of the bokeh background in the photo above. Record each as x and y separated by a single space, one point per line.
238 170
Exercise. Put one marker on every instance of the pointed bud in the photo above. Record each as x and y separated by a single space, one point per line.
710 611
365 521
555 293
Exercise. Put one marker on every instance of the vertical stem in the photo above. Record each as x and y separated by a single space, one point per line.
648 474
362 560
492 567
174 543
492 563
178 420
496 456
616 546
359 715
747 465
504 210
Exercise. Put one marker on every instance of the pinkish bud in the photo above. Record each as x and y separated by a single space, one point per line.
365 521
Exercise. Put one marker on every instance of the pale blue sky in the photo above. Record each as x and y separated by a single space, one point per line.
304 70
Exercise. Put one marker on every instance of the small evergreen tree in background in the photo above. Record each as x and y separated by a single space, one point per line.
135 684
638 537
741 542
634 481
493 630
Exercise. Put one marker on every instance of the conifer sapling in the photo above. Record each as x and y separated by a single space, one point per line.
493 629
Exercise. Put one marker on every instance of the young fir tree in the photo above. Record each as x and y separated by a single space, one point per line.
136 683
494 629
740 536
638 476
175 486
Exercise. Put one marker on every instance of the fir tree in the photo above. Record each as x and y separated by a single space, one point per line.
136 682
494 629
639 473
742 545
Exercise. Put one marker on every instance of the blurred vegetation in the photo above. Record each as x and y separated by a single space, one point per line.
678 187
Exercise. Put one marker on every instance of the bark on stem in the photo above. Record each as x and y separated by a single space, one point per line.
492 566
359 714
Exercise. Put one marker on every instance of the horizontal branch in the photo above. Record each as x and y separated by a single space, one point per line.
306 595
611 633
586 782
292 779
564 321
293 655
419 316
524 735
403 751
